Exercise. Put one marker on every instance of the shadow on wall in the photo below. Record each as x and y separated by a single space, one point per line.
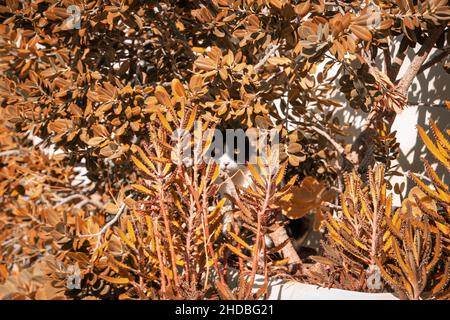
425 100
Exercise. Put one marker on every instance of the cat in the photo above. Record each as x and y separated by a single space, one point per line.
234 174
232 160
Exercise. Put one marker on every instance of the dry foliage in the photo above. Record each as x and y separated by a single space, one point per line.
106 90
408 246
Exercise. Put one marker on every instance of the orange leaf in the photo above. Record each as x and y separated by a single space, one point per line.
115 280
162 96
361 32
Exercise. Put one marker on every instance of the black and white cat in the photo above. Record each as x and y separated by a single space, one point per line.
232 161
232 154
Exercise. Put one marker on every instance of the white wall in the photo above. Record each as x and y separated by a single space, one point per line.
425 99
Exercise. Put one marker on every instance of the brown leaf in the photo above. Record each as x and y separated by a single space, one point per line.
361 32
162 96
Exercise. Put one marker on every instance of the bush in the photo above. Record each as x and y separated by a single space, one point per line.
98 202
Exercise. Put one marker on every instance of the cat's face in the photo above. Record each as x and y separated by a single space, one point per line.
232 154
228 164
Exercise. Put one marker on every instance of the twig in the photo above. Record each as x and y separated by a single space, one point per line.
332 206
105 227
336 145
348 160
258 240
280 236
270 51
9 152
166 221
79 205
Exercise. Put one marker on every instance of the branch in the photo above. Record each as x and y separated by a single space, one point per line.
436 59
269 52
399 58
418 60
280 236
79 205
105 227
365 137
336 145
388 63
348 160
9 152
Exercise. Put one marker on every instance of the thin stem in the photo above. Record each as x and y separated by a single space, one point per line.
168 234
105 227
156 238
259 237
